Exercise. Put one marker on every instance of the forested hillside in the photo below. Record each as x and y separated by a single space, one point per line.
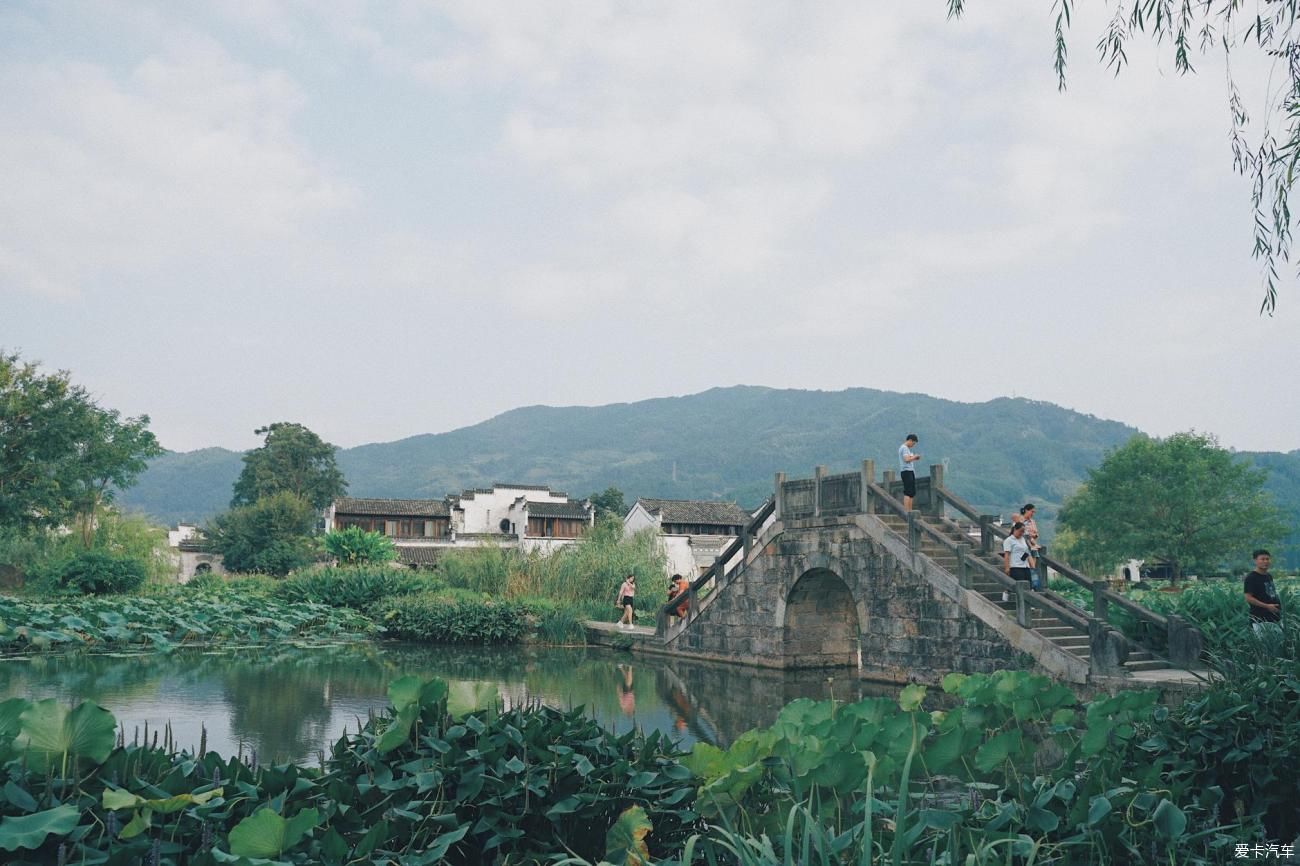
726 442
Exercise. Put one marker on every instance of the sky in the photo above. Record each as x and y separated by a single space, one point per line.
392 218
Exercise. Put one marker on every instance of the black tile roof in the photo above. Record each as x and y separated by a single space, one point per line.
696 511
393 507
416 555
557 509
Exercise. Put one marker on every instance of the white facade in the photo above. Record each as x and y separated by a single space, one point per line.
480 512
181 532
687 554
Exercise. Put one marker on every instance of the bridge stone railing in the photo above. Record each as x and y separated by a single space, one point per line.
848 493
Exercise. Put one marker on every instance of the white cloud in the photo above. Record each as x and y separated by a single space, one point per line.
188 154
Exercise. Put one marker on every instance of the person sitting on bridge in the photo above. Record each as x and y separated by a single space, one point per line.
907 469
1017 561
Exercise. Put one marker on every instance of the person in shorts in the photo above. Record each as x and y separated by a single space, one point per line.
1017 560
1262 600
627 599
907 459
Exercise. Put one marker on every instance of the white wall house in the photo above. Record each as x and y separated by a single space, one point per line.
487 510
189 553
514 515
692 532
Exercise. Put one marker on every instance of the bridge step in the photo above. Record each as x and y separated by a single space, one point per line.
1064 636
1153 665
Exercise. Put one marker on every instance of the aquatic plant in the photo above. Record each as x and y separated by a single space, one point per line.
165 621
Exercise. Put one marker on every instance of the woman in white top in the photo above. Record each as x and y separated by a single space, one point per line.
1017 559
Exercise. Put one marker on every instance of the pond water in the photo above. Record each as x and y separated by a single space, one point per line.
289 703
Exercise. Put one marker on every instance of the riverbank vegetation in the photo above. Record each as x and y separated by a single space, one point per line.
1012 768
171 619
1215 606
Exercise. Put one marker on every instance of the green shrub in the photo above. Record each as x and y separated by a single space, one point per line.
353 545
357 588
558 624
443 618
95 573
486 568
589 571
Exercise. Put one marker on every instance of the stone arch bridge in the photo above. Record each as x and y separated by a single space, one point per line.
833 573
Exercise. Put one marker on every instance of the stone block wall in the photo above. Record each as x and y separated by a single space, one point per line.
825 594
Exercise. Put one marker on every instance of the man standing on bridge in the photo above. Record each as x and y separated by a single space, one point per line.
907 469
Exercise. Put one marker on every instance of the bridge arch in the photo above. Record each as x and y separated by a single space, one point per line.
819 621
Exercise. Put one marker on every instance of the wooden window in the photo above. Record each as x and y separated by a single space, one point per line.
390 528
428 529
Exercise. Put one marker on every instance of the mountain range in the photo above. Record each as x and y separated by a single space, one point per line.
722 443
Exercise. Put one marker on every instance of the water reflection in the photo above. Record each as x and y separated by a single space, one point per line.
289 703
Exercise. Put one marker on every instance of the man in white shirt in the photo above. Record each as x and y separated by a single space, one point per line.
907 469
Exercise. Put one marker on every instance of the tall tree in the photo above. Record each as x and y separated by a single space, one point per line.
293 459
271 536
609 502
61 455
1183 499
1194 30
113 453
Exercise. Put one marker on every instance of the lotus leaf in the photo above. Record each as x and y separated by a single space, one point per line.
625 843
31 831
52 734
266 834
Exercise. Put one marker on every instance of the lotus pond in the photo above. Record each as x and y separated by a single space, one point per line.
289 702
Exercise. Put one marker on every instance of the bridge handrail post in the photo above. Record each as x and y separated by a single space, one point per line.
1100 604
963 568
913 531
692 607
986 533
819 473
661 622
746 542
1186 642
780 494
936 489
868 479
1022 603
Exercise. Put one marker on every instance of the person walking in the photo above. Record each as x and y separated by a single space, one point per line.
626 600
907 459
1036 550
1017 561
1262 600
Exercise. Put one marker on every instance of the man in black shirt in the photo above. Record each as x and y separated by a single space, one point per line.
1261 595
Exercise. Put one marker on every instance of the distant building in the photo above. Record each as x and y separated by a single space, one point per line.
403 520
515 515
693 532
191 555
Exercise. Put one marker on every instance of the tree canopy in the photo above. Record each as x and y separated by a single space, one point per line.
609 502
62 456
1266 154
293 459
271 536
1182 499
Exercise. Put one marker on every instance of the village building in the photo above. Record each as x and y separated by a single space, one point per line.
190 554
509 515
692 532
534 516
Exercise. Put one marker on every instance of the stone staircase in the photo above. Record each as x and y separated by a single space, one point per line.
1066 636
